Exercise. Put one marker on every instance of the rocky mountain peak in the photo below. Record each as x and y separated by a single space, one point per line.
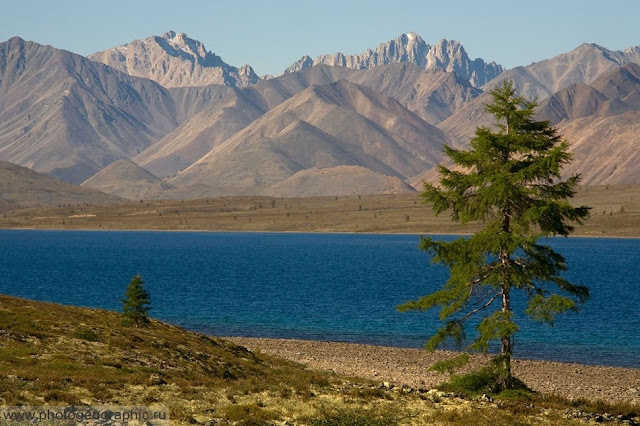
410 47
446 53
180 45
247 75
175 60
300 65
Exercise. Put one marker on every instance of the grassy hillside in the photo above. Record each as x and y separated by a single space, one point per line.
59 355
616 212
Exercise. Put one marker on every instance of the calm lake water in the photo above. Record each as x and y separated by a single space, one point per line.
313 286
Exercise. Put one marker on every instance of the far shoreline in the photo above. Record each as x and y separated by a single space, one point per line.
244 231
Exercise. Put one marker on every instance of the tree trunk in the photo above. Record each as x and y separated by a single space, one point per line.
507 342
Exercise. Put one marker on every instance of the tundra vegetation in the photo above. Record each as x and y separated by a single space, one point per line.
59 355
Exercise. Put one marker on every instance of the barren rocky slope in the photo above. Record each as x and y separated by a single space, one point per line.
601 120
200 134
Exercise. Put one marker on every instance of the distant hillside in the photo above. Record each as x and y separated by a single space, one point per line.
322 127
432 95
601 120
21 187
66 116
200 134
126 179
581 65
181 113
340 180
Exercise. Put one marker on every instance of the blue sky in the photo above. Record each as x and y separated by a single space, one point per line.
270 35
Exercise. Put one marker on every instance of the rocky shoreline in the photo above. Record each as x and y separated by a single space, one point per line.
408 366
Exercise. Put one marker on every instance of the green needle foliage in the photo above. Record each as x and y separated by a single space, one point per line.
136 304
510 180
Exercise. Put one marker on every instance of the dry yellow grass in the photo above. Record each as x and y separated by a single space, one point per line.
615 213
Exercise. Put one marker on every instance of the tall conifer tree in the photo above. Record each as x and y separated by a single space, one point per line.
510 180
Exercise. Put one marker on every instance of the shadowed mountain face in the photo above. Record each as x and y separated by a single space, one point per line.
21 187
446 55
588 63
175 60
321 127
67 116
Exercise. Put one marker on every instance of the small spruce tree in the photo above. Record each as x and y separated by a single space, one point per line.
510 180
136 304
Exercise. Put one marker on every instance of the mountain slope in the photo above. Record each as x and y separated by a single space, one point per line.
581 65
67 116
324 127
126 179
612 93
432 95
445 55
600 120
174 60
22 187
605 148
197 136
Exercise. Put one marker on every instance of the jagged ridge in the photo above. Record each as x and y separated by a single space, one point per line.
448 55
175 60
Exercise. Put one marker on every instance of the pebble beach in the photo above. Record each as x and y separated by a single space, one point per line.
409 366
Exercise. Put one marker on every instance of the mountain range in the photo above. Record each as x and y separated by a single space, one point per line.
164 117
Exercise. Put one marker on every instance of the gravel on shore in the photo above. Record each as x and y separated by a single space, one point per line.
410 366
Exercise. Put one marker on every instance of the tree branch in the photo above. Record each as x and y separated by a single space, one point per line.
485 306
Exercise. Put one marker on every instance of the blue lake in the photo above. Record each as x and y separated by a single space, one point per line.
341 287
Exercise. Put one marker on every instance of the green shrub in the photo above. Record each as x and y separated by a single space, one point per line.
86 334
487 380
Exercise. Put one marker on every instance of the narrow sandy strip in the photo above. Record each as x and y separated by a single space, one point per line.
409 366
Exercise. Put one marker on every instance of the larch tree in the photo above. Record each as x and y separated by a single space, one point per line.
510 181
136 303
